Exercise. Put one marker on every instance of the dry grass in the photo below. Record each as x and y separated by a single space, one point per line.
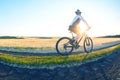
28 42
46 43
100 41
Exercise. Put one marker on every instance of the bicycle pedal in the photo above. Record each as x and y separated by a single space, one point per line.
72 42
77 46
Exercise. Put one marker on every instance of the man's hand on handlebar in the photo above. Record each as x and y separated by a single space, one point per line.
88 28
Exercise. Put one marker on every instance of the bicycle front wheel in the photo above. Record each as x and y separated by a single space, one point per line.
63 46
88 45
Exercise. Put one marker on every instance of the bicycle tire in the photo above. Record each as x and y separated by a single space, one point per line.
62 48
88 42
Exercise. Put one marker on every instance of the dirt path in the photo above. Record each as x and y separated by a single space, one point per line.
54 53
106 45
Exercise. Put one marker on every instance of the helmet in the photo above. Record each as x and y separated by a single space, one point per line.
77 11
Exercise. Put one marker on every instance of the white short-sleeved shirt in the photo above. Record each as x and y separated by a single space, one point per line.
79 17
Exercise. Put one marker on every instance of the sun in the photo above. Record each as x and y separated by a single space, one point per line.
83 27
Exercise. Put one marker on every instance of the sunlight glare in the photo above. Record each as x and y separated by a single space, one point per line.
83 27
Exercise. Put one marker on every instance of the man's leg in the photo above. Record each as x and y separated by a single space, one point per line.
78 36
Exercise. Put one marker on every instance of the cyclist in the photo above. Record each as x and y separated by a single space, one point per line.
74 26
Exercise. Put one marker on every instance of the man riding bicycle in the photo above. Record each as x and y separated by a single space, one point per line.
66 45
74 26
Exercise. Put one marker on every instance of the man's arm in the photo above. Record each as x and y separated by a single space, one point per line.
85 22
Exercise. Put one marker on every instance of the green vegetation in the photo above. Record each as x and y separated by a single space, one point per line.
27 48
46 37
39 61
111 36
10 37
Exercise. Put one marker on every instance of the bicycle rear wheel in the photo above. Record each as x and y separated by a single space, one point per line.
63 46
88 45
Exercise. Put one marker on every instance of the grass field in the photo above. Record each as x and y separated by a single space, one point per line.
29 44
53 61
49 44
44 44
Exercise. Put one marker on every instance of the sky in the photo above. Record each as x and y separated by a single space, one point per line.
52 17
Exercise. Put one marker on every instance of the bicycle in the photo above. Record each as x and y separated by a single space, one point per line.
65 45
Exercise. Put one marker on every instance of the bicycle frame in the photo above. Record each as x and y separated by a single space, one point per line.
82 35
